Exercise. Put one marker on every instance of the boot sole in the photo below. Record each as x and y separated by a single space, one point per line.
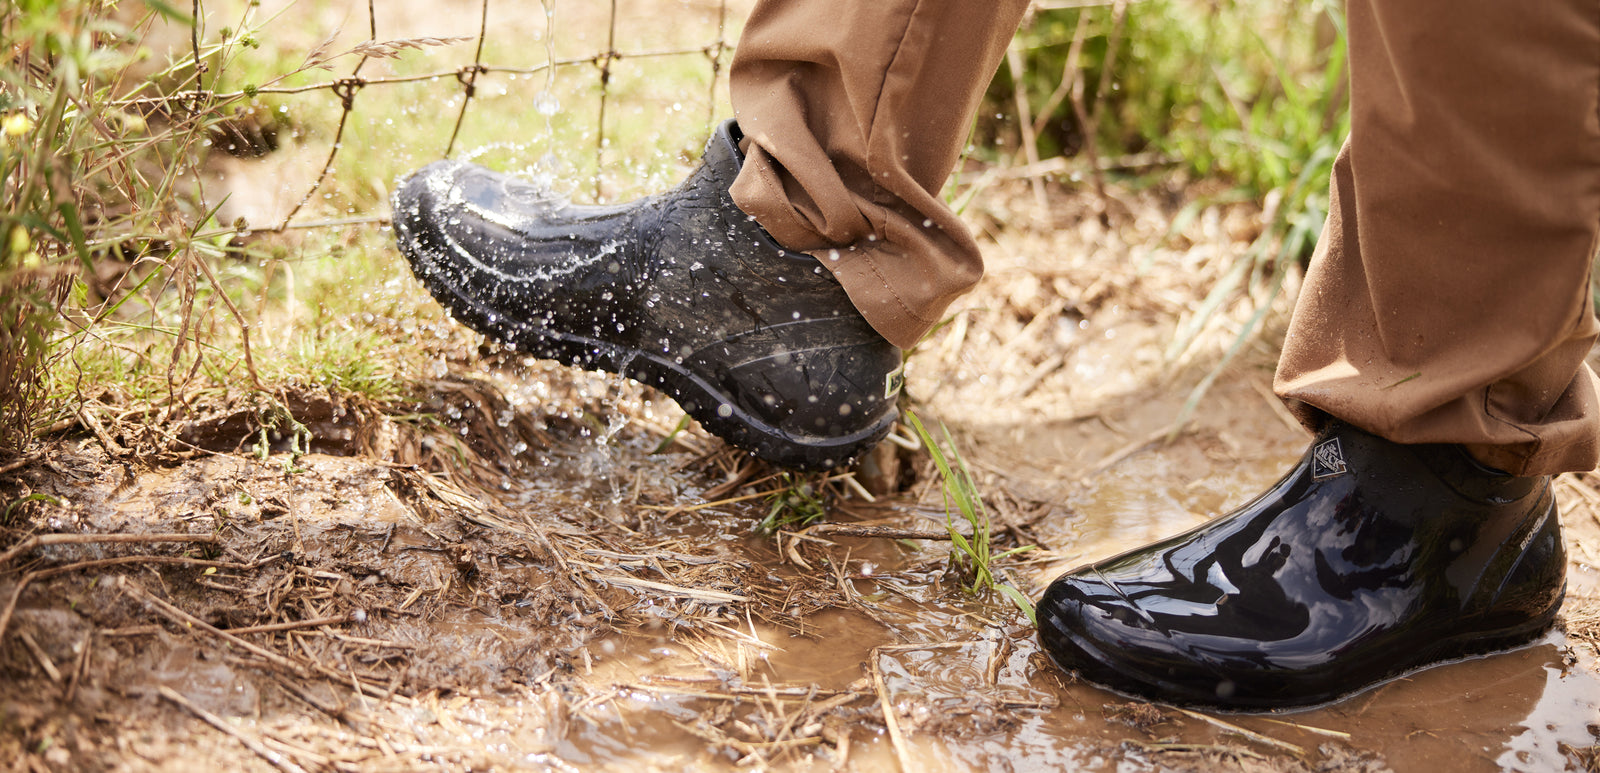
716 410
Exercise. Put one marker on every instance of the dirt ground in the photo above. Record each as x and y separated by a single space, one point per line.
544 576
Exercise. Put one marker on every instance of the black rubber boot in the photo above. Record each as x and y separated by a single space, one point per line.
1370 559
681 291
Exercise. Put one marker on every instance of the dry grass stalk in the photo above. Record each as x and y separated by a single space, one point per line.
890 718
182 618
87 539
1245 732
874 532
253 744
28 303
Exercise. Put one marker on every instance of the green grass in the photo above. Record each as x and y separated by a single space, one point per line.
971 557
1248 91
796 504
81 177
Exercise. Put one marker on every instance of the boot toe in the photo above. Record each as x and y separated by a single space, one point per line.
422 194
1090 627
420 217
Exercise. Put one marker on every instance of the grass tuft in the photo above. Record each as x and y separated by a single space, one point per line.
972 557
796 504
1250 92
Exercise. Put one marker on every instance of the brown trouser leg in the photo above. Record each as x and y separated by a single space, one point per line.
1449 299
856 112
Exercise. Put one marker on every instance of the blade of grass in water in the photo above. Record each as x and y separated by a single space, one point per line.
972 557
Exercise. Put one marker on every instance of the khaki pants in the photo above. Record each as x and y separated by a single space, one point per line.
1448 300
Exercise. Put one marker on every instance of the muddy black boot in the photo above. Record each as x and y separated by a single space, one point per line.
681 291
1369 560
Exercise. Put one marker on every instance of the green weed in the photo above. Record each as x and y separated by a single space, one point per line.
972 556
677 429
6 515
1247 90
796 504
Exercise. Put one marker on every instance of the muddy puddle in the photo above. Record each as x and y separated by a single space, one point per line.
972 690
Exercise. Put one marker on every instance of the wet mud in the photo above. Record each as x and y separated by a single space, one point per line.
548 577
587 620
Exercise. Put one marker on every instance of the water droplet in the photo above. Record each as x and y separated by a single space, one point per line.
546 103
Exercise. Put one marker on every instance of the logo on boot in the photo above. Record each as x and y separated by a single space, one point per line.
894 381
1327 460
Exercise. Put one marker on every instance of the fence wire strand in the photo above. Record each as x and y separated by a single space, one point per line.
468 77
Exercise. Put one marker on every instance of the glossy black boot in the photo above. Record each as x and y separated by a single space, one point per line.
1368 560
681 291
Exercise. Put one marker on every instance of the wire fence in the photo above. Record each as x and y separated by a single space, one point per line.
1091 66
466 80
713 53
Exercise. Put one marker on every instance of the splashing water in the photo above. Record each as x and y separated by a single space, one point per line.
547 105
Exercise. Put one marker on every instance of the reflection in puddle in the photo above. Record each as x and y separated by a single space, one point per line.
1511 711
982 695
1564 714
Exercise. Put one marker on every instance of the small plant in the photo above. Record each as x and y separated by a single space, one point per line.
7 514
274 419
796 505
666 442
972 557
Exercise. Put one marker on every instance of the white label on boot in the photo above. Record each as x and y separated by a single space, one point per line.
1327 460
894 381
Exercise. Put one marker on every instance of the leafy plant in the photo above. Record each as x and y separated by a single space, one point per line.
98 162
1247 90
972 557
115 274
